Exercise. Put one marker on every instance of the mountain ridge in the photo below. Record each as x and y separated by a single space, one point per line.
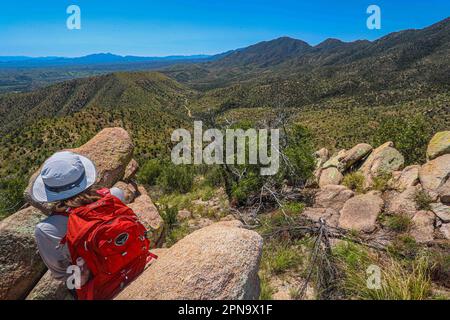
284 57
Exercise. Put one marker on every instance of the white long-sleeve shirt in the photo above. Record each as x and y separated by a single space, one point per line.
49 233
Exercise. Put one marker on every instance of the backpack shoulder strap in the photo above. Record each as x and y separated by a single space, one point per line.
104 192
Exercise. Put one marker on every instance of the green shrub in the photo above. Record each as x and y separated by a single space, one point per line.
247 186
169 215
11 196
206 193
423 200
176 234
243 182
176 178
404 246
293 208
299 151
174 231
280 257
149 172
214 176
381 181
354 181
409 134
399 223
354 256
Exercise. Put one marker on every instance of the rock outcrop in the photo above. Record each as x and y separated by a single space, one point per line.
354 155
439 145
148 214
435 176
403 203
321 156
220 260
445 230
384 159
333 196
360 213
214 263
131 170
442 211
49 289
21 266
111 150
409 177
330 175
335 160
400 195
423 226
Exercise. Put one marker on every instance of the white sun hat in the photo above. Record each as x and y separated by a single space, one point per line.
64 175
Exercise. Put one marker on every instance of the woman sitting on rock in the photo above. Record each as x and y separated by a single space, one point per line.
90 229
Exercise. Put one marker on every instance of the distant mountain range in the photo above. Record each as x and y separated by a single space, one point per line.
99 58
22 73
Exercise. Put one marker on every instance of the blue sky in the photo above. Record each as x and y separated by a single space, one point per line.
159 28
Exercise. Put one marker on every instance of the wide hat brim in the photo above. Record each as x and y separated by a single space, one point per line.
40 193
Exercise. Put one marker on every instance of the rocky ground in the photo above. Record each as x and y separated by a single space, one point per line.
359 185
364 191
369 193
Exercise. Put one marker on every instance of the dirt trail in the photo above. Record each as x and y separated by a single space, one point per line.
186 101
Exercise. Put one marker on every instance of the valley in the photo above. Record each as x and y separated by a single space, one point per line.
344 93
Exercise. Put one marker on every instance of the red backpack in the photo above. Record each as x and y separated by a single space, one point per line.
113 243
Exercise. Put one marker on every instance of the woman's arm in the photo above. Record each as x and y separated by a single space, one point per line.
118 193
48 235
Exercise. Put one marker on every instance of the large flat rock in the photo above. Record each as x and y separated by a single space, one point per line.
360 213
218 262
